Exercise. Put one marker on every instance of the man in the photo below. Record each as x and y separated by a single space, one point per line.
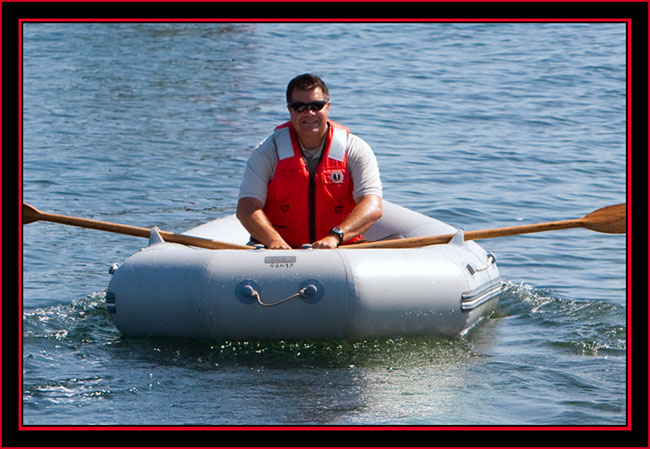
311 180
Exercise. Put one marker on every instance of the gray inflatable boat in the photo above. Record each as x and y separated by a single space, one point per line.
167 289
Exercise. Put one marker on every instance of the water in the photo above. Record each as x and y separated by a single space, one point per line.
479 125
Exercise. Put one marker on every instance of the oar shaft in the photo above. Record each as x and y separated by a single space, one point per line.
522 229
136 231
200 242
414 242
94 224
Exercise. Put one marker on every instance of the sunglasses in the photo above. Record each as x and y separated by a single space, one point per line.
314 106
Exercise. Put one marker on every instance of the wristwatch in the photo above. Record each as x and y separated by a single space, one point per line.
336 231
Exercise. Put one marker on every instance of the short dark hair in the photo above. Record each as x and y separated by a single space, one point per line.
307 81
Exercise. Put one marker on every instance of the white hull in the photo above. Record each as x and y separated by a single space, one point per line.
173 290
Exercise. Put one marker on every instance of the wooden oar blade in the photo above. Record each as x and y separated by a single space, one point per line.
30 214
610 219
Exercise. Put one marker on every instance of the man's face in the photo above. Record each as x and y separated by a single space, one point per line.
309 124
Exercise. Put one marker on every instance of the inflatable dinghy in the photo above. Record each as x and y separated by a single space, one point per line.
167 289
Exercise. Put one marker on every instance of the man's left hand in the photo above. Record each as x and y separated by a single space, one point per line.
329 242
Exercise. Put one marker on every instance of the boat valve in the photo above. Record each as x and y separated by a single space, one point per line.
248 291
309 291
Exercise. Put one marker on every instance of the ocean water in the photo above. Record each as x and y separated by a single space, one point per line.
480 125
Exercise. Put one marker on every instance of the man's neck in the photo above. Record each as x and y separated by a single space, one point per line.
313 142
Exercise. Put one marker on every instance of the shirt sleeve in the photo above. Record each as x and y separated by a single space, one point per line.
364 169
259 171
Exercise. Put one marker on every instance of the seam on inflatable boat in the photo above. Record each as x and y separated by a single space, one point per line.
352 296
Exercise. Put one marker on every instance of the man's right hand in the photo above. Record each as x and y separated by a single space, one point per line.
252 217
278 244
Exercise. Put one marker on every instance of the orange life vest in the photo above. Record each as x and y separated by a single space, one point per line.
301 208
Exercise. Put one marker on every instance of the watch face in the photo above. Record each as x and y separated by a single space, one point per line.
338 233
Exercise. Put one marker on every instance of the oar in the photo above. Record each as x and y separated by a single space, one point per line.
31 214
610 219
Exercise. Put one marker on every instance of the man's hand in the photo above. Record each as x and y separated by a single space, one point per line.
329 242
252 216
278 244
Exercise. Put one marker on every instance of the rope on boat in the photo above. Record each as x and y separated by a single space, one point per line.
303 292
